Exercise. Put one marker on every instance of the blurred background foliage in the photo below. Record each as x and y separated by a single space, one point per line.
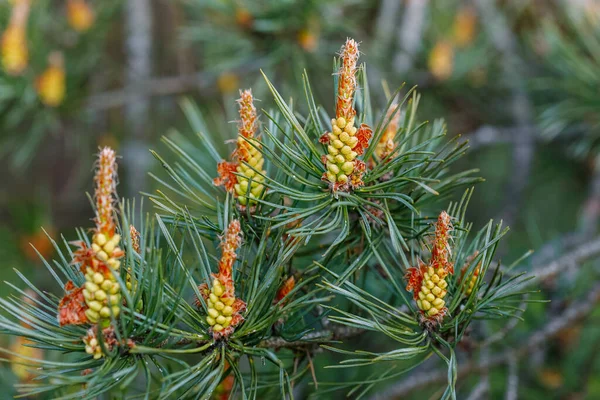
520 79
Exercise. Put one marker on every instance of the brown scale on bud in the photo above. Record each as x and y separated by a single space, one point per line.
223 308
428 281
72 307
244 176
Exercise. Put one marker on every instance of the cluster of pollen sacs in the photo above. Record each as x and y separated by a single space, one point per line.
472 282
340 156
220 311
250 185
432 292
92 347
472 279
15 54
102 291
428 281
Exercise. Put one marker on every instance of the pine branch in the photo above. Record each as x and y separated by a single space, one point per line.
314 338
571 315
568 261
488 135
501 334
167 86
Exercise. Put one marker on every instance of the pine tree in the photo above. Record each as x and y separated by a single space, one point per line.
323 223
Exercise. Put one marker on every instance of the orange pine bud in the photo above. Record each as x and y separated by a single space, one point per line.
441 60
229 245
347 80
308 40
106 189
440 252
228 82
51 84
223 390
248 116
465 24
37 242
80 15
285 288
244 18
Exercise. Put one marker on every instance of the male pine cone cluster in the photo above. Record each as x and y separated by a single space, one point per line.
219 307
340 156
345 141
250 185
98 301
472 279
223 307
102 292
247 184
428 281
432 292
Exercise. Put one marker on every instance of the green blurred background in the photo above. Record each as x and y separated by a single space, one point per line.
519 79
